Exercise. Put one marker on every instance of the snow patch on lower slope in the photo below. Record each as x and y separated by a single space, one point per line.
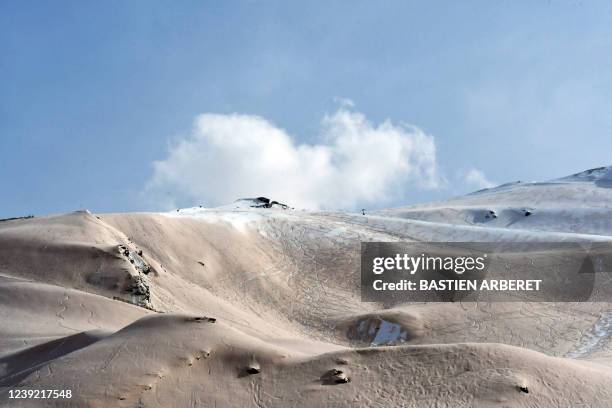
389 334
595 338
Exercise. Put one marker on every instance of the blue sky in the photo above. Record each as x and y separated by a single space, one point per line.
92 94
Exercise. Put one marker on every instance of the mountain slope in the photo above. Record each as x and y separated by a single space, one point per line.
242 306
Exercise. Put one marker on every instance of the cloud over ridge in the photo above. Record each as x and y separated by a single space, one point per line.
353 163
476 178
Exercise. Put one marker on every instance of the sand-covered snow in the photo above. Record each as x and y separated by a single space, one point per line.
240 306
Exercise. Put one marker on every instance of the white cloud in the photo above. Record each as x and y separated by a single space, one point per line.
476 179
344 102
354 163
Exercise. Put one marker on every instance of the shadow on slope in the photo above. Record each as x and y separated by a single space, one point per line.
17 366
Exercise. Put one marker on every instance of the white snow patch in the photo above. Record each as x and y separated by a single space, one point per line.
595 338
381 332
389 334
240 220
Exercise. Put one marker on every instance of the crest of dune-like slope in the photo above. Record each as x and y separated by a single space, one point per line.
239 306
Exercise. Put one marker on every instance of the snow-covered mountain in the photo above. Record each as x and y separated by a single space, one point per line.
580 203
256 304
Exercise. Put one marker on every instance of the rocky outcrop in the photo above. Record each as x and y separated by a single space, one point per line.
140 293
137 283
264 202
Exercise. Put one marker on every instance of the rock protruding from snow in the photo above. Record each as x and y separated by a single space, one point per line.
139 291
137 284
261 202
